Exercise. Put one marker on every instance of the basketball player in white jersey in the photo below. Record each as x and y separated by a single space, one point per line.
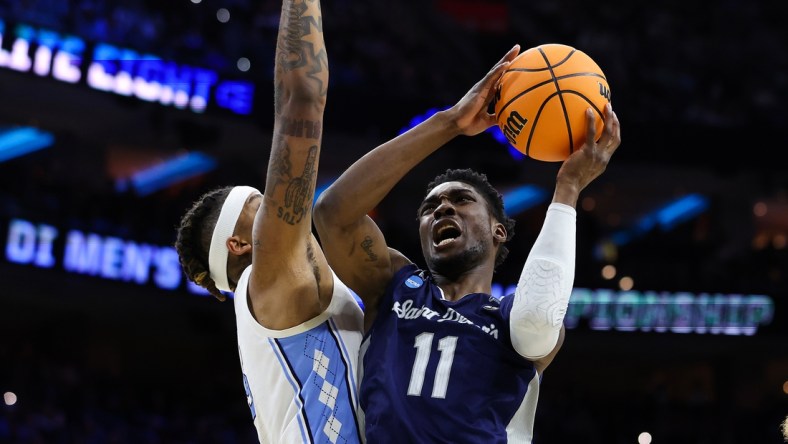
443 360
299 327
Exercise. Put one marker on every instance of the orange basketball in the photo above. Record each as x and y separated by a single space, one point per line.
542 97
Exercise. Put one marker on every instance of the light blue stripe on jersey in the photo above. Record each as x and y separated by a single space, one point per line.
286 370
347 357
316 360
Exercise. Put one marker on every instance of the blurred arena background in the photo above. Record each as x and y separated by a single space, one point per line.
678 328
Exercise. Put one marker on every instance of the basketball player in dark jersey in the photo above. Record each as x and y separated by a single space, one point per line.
443 361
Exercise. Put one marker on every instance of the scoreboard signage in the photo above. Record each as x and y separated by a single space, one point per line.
91 254
121 71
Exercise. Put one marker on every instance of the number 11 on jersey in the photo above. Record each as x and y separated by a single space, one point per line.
423 346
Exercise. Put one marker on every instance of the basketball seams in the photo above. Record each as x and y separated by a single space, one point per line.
525 100
539 113
578 93
560 97
556 65
535 122
546 82
561 77
522 93
544 104
581 74
585 97
526 69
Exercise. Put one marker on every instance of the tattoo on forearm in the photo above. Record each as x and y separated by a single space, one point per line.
298 196
296 45
278 102
366 245
280 167
293 26
309 129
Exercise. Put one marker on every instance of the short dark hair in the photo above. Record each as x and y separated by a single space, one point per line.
491 195
194 238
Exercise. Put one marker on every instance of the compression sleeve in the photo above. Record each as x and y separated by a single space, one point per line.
542 294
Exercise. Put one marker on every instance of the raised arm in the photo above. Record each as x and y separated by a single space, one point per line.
352 242
542 295
288 266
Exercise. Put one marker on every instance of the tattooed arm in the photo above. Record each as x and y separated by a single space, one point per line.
291 282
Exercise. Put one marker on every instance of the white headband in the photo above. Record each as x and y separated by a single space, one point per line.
225 226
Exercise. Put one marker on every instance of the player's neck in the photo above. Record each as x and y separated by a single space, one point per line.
472 281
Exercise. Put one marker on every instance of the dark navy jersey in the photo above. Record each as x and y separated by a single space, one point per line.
436 371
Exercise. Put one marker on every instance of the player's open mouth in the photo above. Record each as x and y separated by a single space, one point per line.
445 234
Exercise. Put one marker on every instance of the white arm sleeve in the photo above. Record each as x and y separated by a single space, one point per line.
542 294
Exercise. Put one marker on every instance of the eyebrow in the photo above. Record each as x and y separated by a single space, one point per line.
451 192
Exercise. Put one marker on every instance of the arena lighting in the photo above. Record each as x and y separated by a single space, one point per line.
522 198
665 217
322 187
9 398
644 438
416 120
166 173
497 134
20 141
494 131
42 52
681 210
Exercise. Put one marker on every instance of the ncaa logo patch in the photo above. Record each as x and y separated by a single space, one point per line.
414 282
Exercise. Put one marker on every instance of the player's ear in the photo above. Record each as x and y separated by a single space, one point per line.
236 246
499 232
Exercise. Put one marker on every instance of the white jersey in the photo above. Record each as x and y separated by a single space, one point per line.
301 383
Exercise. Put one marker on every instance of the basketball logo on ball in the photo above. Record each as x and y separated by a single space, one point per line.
541 100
